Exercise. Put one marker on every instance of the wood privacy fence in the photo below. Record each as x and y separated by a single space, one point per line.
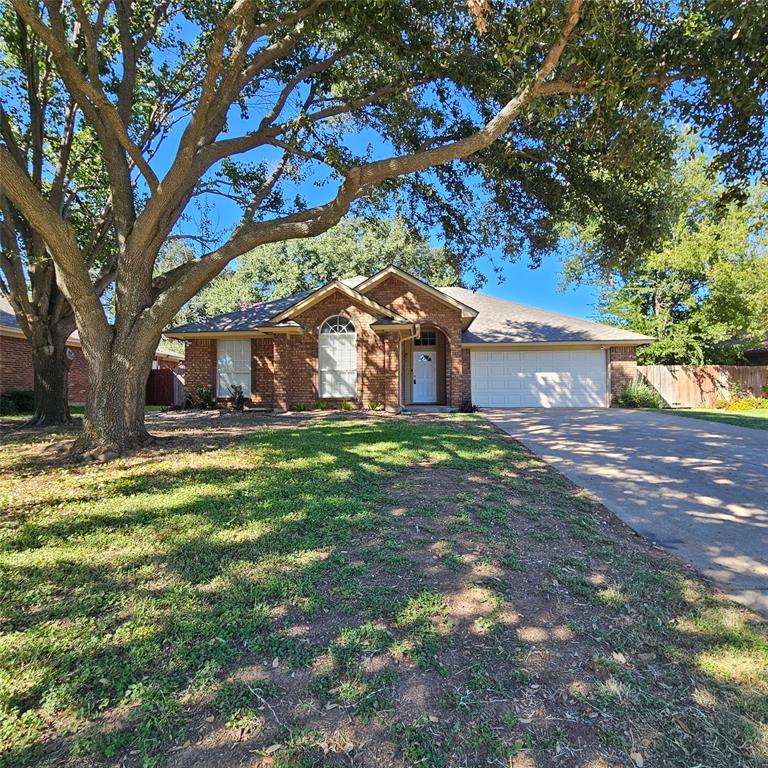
165 387
691 385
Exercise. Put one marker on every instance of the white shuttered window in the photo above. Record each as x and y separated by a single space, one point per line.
338 358
234 366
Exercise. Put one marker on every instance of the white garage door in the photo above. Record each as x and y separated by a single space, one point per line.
556 379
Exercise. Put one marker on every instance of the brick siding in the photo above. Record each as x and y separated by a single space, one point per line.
284 371
16 371
200 360
622 368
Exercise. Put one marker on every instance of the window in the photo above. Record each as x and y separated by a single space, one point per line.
234 366
426 339
338 357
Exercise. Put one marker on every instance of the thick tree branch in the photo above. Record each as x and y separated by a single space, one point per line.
61 240
186 279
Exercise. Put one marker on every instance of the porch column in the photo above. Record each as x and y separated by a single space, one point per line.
392 371
281 371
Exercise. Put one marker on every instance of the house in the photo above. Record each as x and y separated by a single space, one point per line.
16 358
396 340
757 355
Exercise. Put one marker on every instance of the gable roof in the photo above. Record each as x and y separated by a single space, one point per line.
489 320
337 285
467 311
506 322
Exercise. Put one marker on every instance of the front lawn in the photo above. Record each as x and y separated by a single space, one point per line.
757 418
353 591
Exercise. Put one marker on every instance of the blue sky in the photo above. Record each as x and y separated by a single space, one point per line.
539 287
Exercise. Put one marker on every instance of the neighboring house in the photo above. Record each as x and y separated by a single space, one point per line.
757 355
393 339
16 358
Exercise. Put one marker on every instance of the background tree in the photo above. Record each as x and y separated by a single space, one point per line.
40 127
352 247
395 106
700 286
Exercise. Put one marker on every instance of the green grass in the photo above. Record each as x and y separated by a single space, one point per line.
754 419
305 593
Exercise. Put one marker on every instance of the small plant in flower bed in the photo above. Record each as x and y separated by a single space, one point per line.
300 407
375 405
345 405
321 405
202 398
238 398
638 394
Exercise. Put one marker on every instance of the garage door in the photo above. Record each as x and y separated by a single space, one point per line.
556 379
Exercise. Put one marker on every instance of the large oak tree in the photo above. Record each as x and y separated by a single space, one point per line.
486 121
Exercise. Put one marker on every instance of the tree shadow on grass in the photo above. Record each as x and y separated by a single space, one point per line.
136 612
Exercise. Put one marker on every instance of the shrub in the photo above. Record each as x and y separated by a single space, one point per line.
238 398
638 394
202 397
17 401
300 407
375 405
345 405
321 405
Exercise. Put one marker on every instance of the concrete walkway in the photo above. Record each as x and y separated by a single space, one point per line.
696 488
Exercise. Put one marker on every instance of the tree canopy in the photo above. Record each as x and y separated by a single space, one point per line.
491 125
700 287
353 247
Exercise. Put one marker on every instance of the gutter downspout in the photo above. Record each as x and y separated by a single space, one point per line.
416 332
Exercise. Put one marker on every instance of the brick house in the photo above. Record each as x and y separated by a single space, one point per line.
393 339
16 358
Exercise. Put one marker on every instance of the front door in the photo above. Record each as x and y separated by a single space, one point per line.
424 376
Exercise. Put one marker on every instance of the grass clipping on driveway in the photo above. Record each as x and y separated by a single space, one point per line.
355 592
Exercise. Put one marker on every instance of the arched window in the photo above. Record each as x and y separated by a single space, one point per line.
338 357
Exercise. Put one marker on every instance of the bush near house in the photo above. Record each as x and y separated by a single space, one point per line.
16 401
638 394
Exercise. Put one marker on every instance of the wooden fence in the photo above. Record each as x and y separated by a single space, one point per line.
692 386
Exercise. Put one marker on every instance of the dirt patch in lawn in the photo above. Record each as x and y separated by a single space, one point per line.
356 591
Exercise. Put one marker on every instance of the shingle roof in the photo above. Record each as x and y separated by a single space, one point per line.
506 322
498 321
242 319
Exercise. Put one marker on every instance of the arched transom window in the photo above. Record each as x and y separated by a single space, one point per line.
338 357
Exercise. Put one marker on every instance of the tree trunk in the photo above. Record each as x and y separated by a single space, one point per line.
51 388
114 408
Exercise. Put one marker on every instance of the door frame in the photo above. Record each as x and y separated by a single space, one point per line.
442 350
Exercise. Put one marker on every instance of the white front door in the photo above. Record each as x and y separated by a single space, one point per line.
424 376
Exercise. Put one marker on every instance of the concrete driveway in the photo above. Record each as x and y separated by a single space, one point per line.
696 488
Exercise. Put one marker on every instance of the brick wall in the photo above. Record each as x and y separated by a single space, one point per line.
622 368
200 361
419 306
284 372
78 376
296 357
15 363
263 372
16 370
